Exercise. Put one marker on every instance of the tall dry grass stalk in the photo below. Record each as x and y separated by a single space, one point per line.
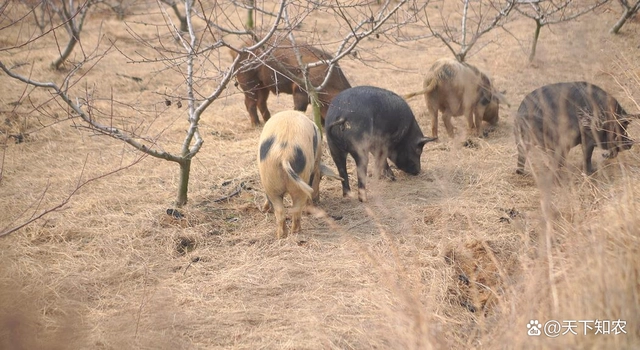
584 267
576 262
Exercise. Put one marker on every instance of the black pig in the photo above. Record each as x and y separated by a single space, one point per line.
367 119
559 116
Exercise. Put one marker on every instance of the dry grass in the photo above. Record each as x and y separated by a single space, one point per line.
113 271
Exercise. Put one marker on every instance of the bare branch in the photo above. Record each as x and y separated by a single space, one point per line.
554 13
103 129
183 19
546 12
357 34
13 227
73 23
628 12
475 12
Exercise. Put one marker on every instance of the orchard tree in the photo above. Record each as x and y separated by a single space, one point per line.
184 27
72 15
42 14
359 23
629 9
547 12
200 56
476 19
187 57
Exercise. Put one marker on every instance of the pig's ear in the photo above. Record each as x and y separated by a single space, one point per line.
425 140
499 96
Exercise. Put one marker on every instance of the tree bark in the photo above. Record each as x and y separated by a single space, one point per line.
315 105
183 19
534 44
75 37
250 23
183 186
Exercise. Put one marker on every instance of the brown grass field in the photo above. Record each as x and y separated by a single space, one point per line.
111 270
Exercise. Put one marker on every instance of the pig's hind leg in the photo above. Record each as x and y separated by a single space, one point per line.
382 167
340 159
362 161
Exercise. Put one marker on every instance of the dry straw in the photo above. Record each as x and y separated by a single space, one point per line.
462 256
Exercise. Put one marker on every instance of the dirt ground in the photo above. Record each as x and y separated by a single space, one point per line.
463 255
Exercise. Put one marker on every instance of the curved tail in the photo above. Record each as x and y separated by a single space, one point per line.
286 165
430 87
340 121
413 94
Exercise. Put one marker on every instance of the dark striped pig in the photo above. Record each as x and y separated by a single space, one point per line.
366 119
289 162
457 88
559 116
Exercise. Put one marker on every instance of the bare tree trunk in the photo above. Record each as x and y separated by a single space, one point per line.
183 19
463 47
74 20
184 27
183 186
315 105
628 13
534 44
188 151
75 37
250 24
553 14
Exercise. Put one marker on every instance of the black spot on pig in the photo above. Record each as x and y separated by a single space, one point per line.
265 147
299 161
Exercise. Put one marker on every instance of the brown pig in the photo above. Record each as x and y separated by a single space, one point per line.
269 73
456 88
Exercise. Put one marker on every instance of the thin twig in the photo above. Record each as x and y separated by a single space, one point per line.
232 194
8 229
